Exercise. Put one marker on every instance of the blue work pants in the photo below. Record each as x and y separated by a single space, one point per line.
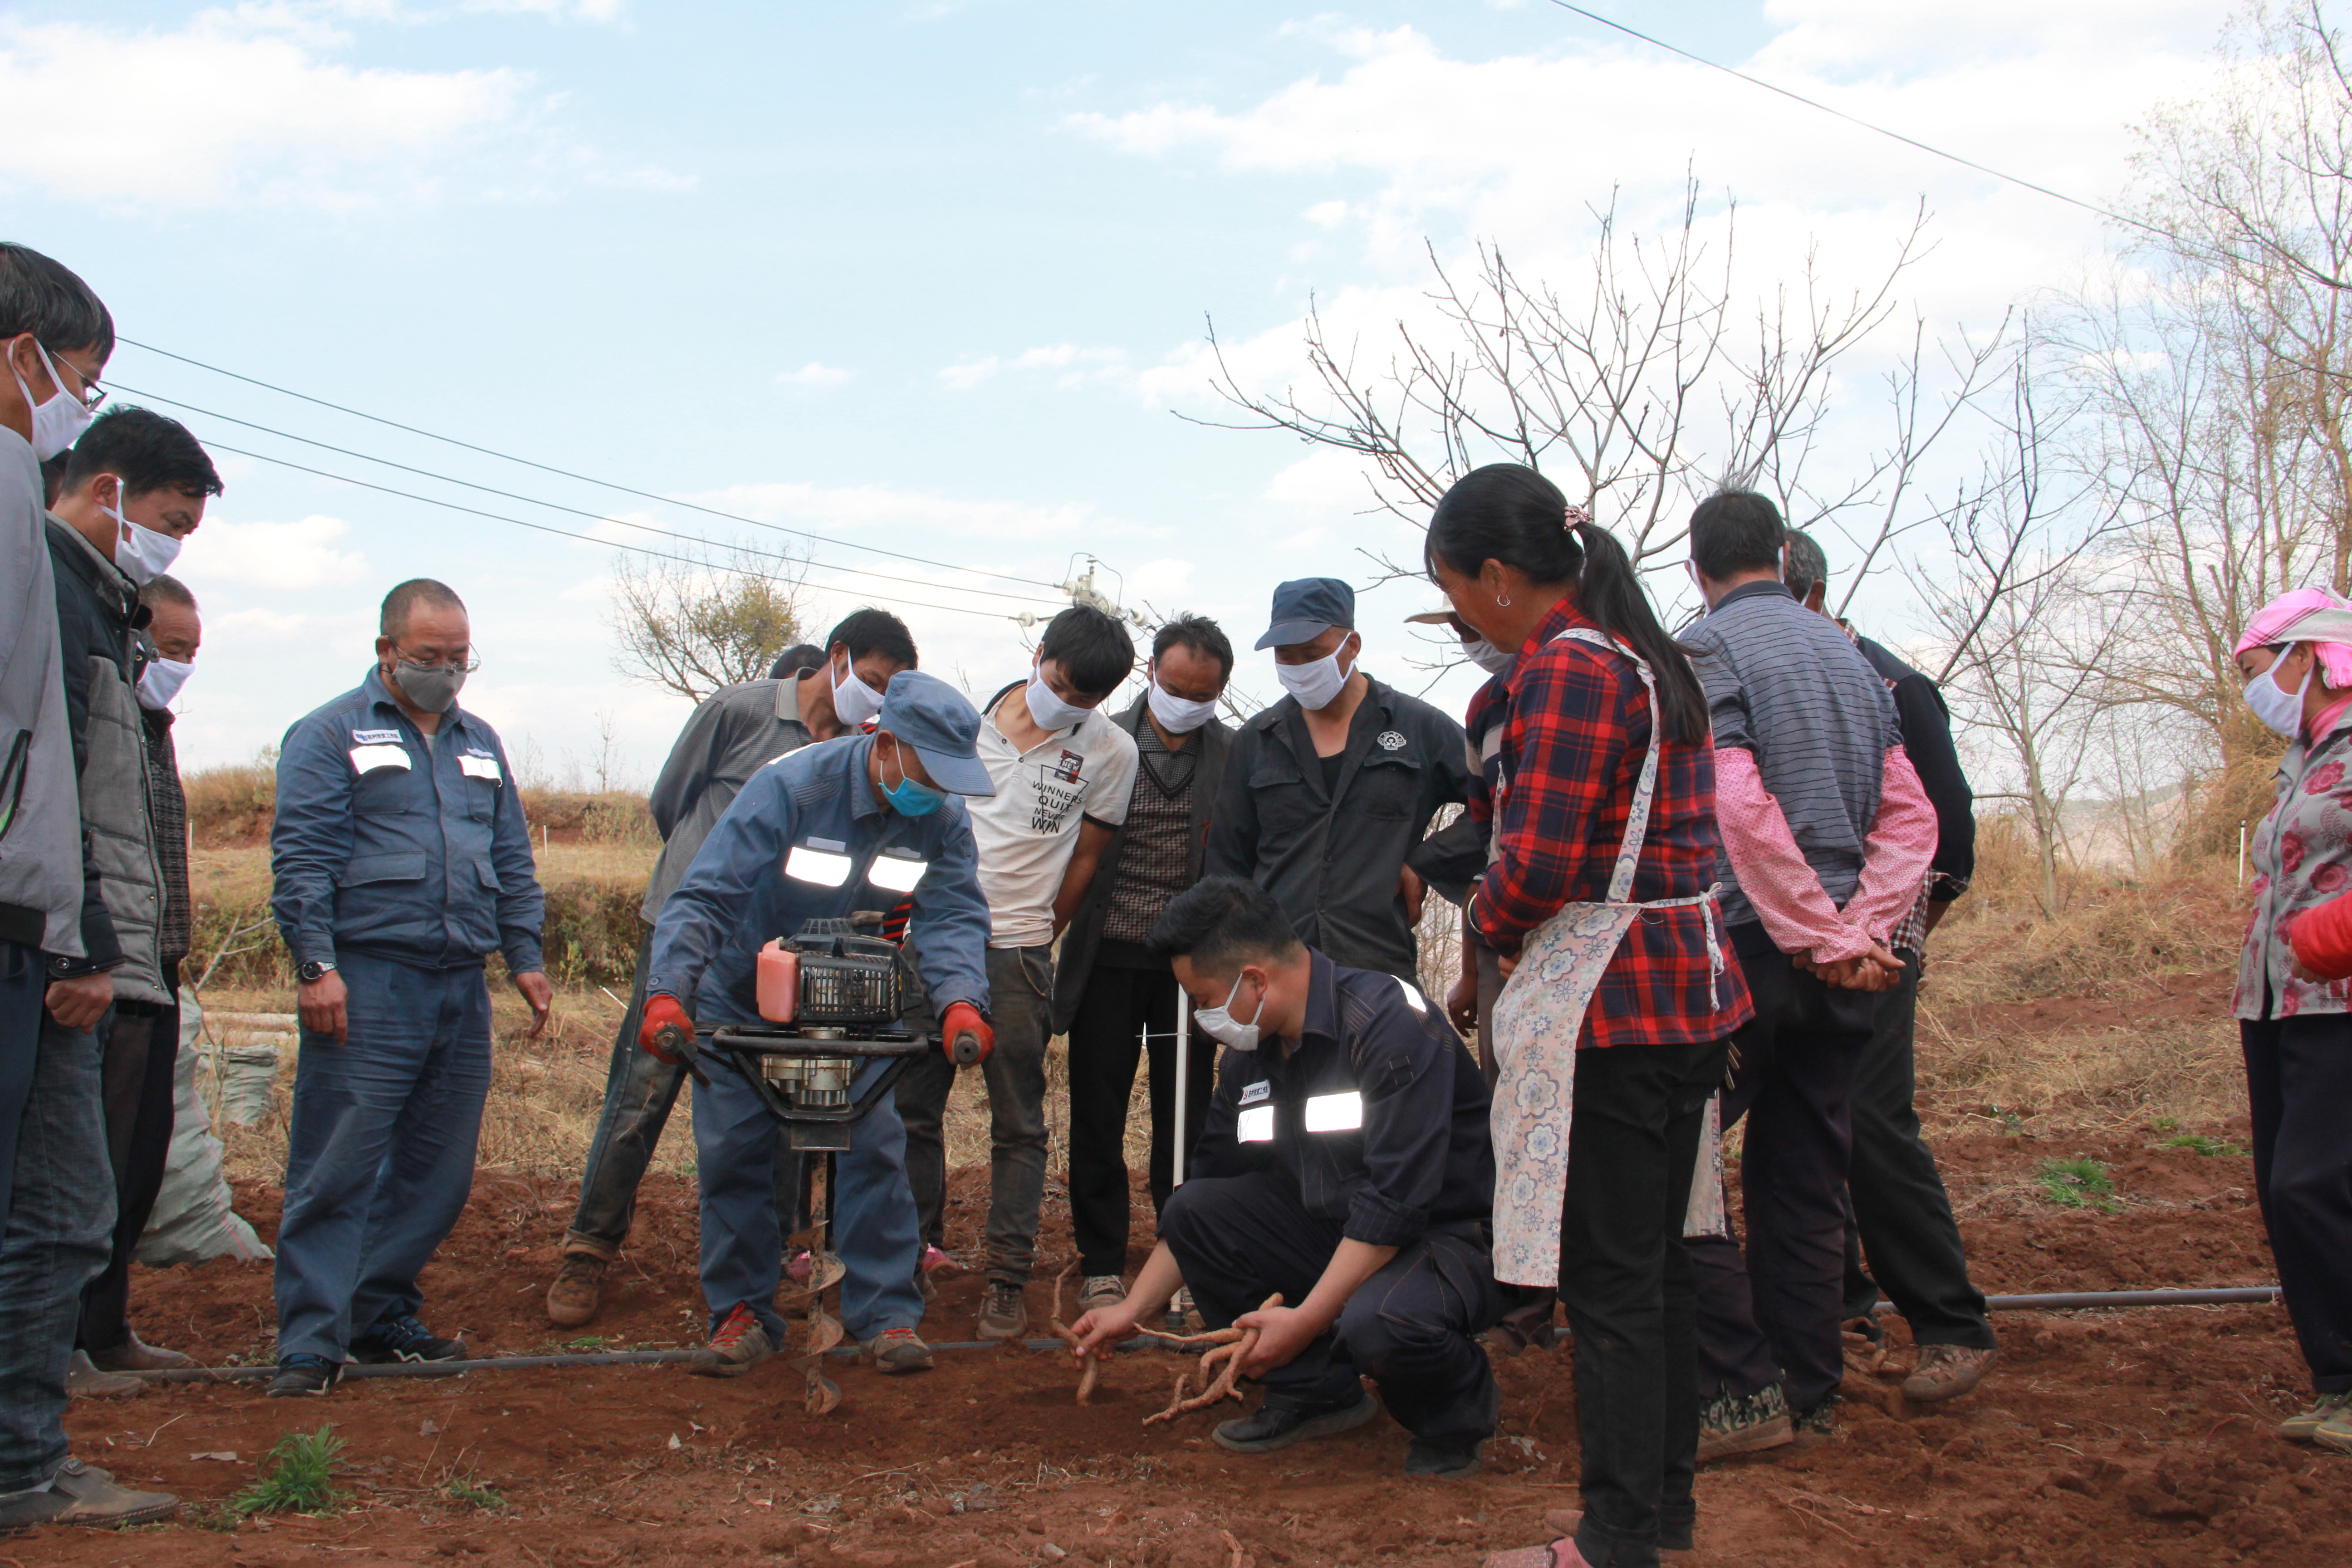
742 1227
381 1153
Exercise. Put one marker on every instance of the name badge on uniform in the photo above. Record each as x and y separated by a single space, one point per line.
474 765
823 861
1256 1125
375 737
367 759
897 871
1335 1113
1256 1091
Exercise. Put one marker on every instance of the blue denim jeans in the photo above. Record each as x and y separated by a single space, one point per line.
381 1153
60 1225
743 1237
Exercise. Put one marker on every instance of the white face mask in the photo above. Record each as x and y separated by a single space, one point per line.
1045 705
1176 715
59 423
142 553
161 681
2273 705
1222 1027
1488 657
853 701
1315 685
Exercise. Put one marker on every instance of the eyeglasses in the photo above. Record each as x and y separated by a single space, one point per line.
463 662
90 396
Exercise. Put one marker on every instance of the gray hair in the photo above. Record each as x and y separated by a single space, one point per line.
164 589
1806 563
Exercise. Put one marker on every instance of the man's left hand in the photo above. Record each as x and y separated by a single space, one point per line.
540 995
1282 1334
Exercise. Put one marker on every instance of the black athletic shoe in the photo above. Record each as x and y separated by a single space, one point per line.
299 1374
1444 1459
1276 1426
402 1338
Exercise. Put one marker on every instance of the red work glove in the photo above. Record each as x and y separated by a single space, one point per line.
965 1036
662 1011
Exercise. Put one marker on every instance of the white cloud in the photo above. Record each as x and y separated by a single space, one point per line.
271 556
243 109
1073 365
813 375
1327 215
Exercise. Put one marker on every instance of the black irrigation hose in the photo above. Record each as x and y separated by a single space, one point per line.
2056 1301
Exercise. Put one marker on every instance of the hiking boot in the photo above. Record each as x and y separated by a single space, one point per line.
1947 1372
402 1338
2335 1432
94 1502
2305 1428
1816 1426
1002 1313
739 1344
1444 1459
1100 1290
84 1381
578 1290
299 1374
1671 1548
897 1351
1748 1425
1277 1426
133 1354
1865 1348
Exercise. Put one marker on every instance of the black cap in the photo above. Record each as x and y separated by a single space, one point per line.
1307 608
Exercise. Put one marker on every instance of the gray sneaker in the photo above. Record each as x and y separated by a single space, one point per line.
1002 1313
2305 1428
1100 1290
1947 1372
899 1351
739 1344
94 1500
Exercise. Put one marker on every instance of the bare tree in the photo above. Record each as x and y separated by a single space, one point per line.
719 621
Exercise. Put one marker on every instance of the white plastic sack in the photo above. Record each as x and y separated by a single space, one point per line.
193 1219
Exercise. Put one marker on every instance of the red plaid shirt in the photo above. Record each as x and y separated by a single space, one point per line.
1573 742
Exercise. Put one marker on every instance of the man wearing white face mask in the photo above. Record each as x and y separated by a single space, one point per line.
1064 773
1346 1171
1109 988
1332 788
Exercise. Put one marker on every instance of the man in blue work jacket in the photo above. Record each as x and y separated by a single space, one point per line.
402 862
1346 1166
799 844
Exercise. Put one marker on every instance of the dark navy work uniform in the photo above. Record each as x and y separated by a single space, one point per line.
1371 1127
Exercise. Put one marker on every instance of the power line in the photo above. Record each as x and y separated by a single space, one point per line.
583 478
1857 119
557 506
566 534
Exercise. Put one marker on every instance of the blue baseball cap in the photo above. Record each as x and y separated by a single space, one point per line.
927 713
1307 608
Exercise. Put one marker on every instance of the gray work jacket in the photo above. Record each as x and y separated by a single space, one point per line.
1084 934
1331 859
41 863
734 733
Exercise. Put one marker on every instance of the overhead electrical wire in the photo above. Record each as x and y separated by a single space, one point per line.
559 506
583 478
566 534
1856 120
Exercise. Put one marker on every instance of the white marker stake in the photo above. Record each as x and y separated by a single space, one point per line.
1183 1076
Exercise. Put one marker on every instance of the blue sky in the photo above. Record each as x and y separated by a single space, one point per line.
927 277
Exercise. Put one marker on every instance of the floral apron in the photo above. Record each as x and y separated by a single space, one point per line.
1537 1019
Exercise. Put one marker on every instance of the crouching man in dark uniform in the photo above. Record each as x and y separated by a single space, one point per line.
1345 1166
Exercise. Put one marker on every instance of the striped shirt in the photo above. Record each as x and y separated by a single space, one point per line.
1788 686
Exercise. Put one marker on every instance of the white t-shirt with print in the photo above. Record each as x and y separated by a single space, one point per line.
1028 830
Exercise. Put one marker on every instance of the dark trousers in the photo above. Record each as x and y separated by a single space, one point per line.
1777 1313
1900 1217
1118 1006
2299 1087
24 986
139 1050
640 1091
1410 1327
1625 1280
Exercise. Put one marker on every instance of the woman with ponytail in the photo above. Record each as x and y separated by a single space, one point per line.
1612 1027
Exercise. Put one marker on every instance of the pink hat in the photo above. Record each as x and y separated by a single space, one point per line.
2308 615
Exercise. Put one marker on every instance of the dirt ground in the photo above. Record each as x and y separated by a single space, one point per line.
2104 1438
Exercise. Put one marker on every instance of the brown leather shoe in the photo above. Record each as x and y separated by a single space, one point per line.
84 1381
1002 1313
578 1290
134 1354
95 1500
1947 1372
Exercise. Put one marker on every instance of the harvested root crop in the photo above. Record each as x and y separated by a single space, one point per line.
1232 1354
1086 1378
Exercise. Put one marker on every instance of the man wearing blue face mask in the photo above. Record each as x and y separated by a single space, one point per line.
1346 1168
1332 788
799 842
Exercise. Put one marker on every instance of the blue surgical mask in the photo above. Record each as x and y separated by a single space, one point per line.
908 798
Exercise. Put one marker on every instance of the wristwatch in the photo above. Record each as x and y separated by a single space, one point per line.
311 969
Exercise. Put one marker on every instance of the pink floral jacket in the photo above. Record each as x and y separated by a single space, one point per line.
2301 857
